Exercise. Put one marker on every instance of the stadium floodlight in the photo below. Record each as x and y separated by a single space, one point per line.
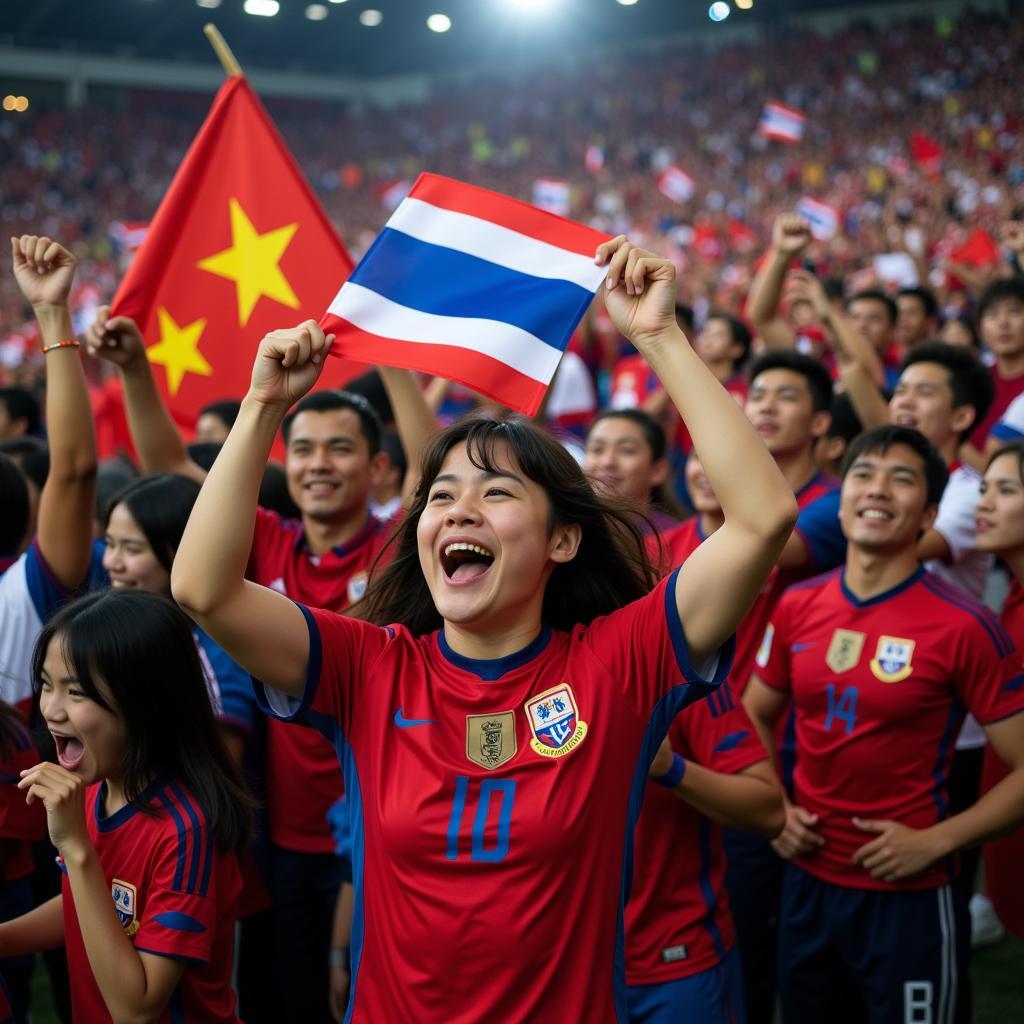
261 8
439 23
316 12
627 3
744 5
208 4
336 1
718 11
371 18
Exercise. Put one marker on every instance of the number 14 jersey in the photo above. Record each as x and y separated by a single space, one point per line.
880 688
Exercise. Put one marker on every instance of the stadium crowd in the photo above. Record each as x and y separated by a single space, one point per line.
850 504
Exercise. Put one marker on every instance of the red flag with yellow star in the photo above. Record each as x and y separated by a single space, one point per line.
238 247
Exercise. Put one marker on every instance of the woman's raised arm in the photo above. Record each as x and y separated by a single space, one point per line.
718 583
261 629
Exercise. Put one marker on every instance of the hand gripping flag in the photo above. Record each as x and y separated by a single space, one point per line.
824 219
238 247
473 286
782 123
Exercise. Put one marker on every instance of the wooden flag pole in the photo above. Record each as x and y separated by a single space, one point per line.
223 51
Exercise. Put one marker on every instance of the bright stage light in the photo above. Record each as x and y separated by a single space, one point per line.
371 18
744 5
718 11
627 3
261 8
439 23
316 12
208 4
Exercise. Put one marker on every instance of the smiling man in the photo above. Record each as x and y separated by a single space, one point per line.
880 659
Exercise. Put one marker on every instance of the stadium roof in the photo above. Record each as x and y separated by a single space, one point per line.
482 31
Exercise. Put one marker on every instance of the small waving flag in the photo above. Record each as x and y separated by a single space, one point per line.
927 154
675 184
782 123
474 286
593 158
824 219
553 195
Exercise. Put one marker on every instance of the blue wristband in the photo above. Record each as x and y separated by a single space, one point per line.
674 775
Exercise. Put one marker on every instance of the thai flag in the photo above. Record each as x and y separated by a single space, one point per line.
128 235
824 219
786 124
474 286
593 159
676 184
552 195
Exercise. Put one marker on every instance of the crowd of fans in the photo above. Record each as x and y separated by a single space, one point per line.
816 338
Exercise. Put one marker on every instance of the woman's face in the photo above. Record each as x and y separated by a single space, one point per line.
999 519
486 545
129 559
90 739
618 461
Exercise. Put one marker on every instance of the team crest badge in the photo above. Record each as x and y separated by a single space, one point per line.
892 660
845 650
357 587
555 722
124 895
491 739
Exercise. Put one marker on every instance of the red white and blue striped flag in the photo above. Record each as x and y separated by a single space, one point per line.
473 286
824 219
785 124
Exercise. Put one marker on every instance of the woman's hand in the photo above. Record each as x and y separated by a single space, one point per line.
63 795
118 340
288 364
43 269
640 293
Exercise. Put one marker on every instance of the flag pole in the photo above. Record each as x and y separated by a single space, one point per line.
223 51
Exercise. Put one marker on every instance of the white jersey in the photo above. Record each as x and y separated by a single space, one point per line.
29 592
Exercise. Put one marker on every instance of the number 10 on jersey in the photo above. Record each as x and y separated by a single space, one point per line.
505 791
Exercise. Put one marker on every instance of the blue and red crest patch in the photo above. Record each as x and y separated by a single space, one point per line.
555 722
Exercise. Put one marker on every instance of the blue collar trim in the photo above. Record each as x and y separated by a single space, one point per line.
885 595
494 668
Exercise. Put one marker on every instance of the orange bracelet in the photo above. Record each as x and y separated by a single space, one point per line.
61 344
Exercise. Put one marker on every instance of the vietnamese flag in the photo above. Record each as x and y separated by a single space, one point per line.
238 247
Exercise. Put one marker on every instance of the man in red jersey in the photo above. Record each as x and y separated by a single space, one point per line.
788 403
880 660
333 461
681 960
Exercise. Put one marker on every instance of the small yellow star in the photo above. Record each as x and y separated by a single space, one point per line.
178 350
252 263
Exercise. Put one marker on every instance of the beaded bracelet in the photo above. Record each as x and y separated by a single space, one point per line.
71 343
674 775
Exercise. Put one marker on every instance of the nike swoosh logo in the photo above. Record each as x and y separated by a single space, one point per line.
407 723
797 648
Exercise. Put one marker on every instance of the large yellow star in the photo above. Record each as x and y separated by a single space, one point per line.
178 350
252 263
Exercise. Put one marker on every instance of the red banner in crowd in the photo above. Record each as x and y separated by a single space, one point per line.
238 247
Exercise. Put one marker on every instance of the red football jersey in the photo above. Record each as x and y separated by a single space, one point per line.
493 805
21 824
880 688
176 895
1004 856
304 779
677 918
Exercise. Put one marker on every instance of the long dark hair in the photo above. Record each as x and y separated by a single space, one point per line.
160 506
611 567
140 646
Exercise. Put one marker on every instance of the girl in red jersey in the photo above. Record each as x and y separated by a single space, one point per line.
1000 530
146 811
498 712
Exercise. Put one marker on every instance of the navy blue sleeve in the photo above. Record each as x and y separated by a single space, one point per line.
46 591
238 701
818 527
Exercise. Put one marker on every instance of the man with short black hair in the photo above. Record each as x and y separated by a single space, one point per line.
917 318
19 412
879 660
216 420
874 315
